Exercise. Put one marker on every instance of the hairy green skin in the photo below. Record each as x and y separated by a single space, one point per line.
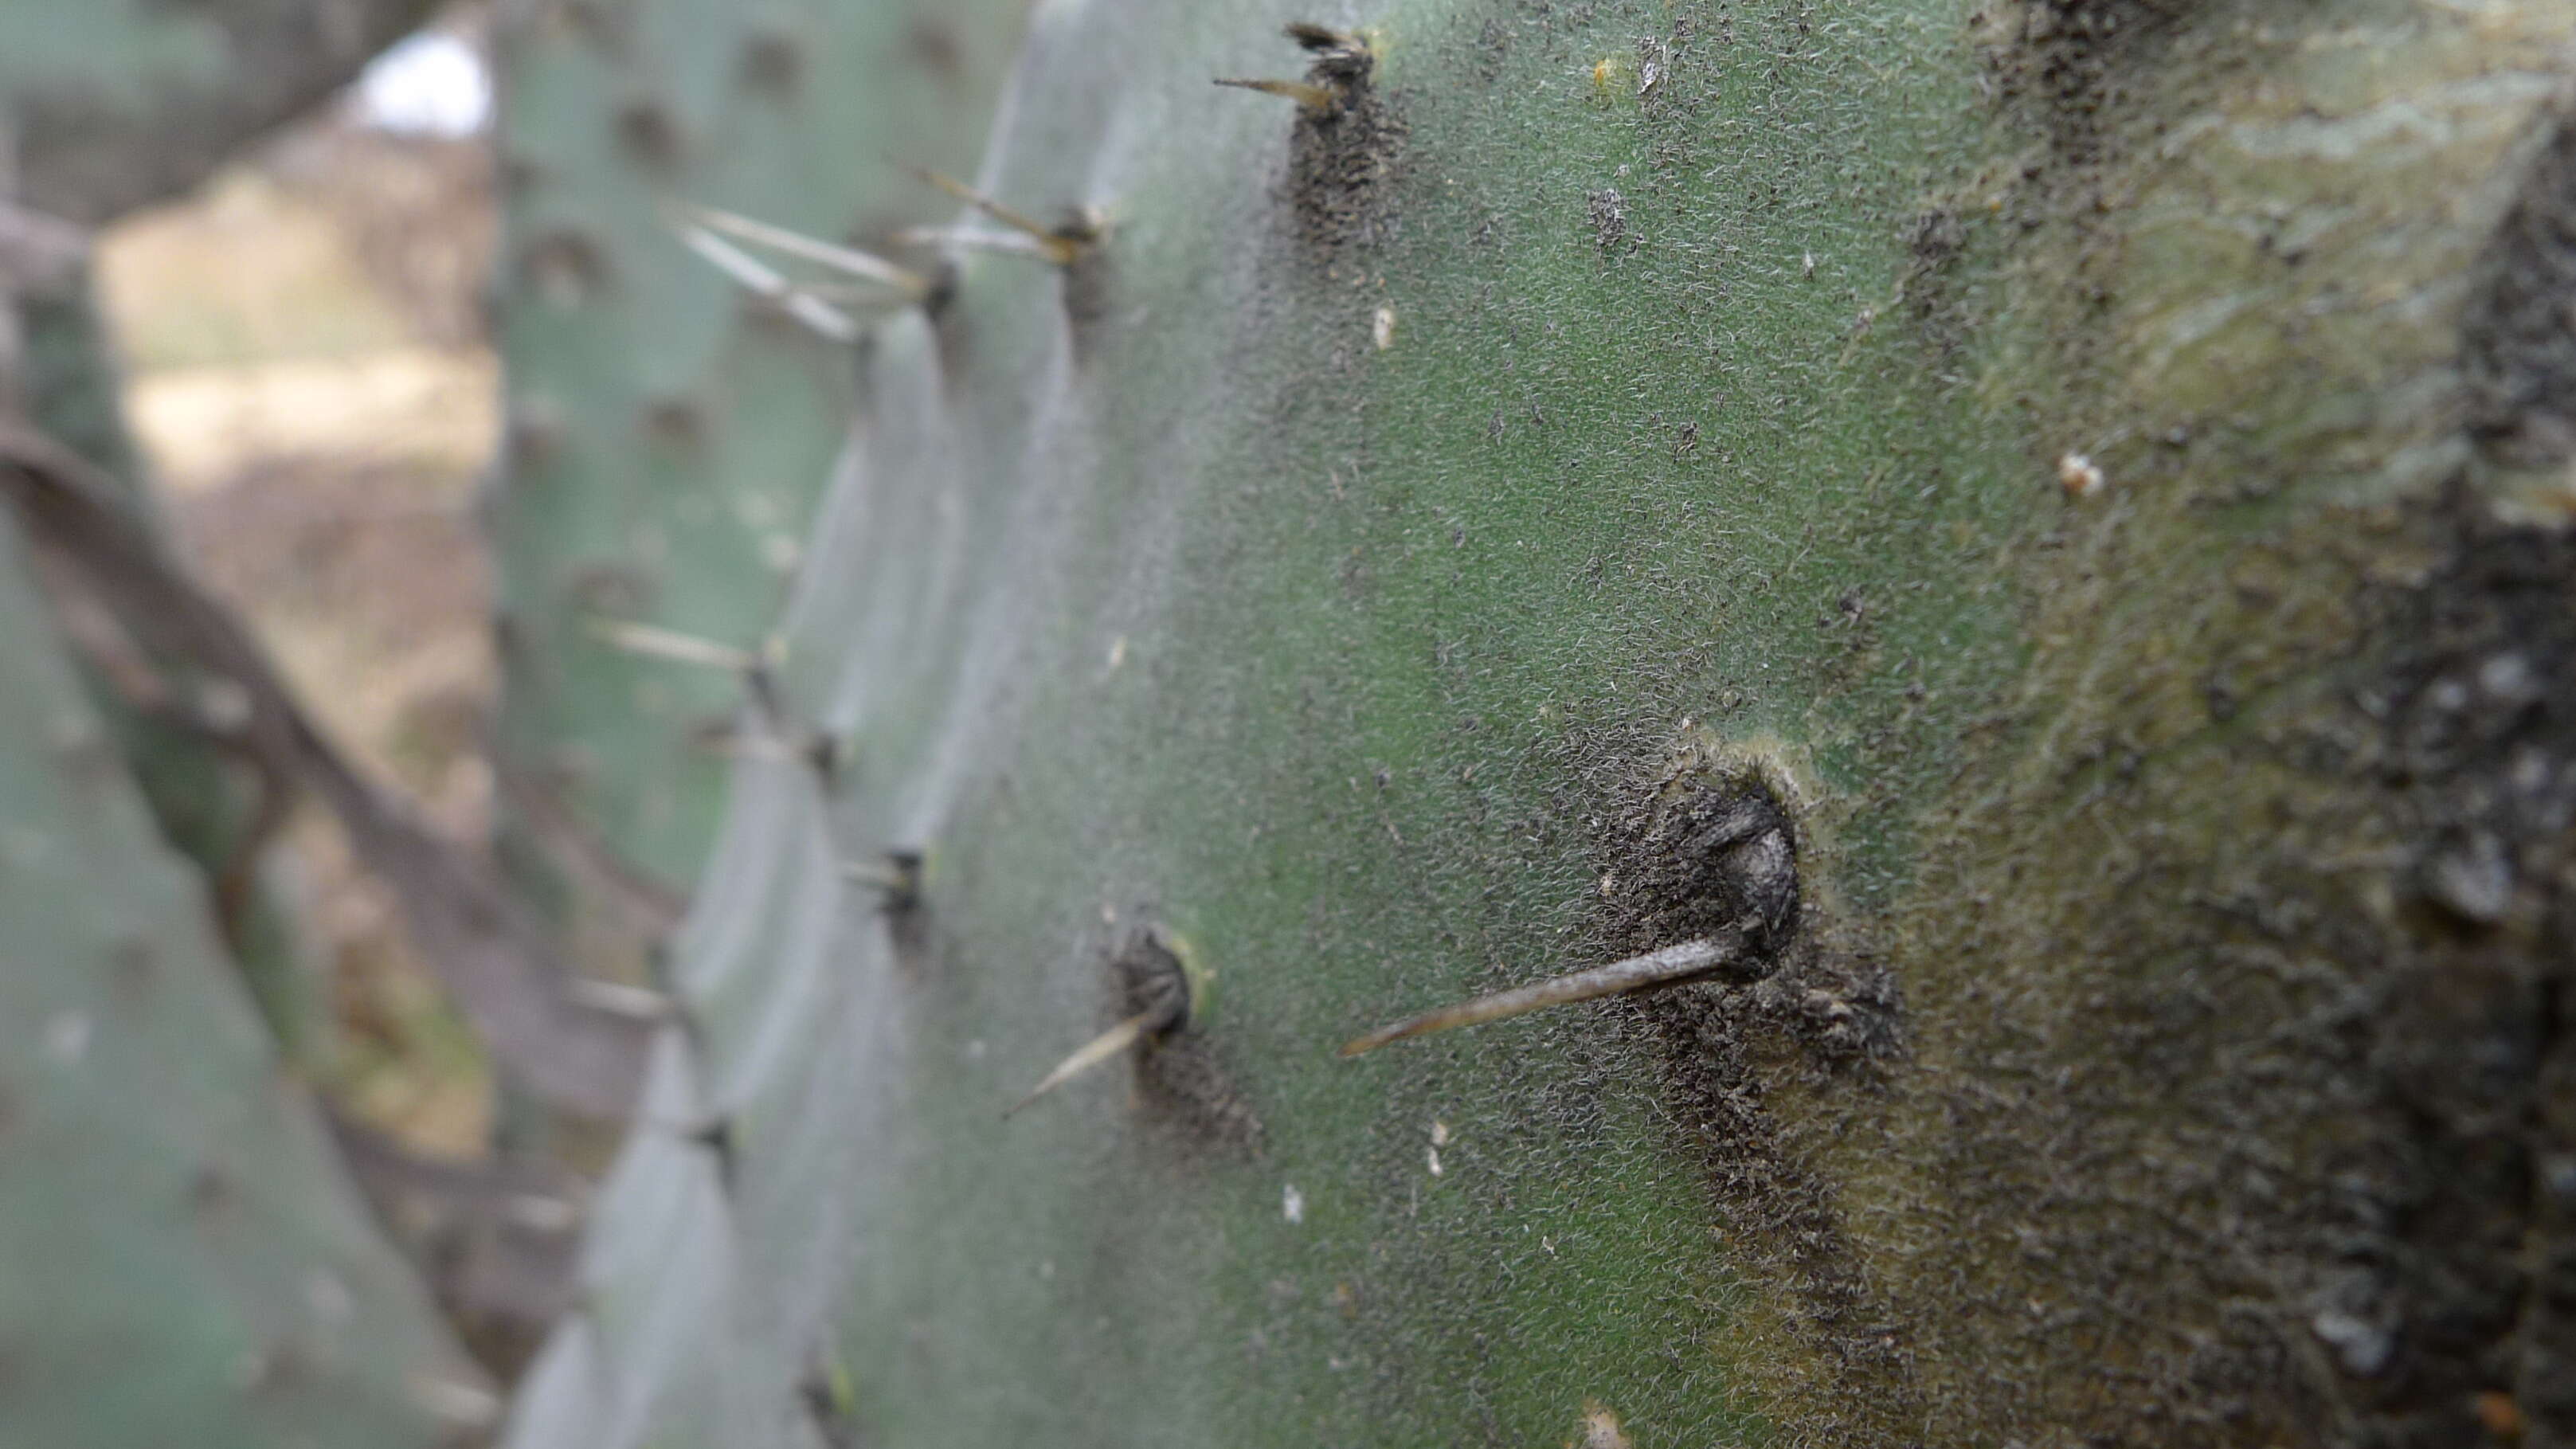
185 1262
666 444
2169 1049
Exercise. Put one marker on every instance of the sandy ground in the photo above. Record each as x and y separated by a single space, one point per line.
429 408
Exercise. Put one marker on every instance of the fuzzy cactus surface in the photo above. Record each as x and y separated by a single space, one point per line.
2091 472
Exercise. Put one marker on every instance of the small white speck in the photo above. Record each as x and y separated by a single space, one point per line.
67 1038
2080 476
1432 1157
1382 328
1439 1133
1292 1204
975 1050
2364 1347
1117 650
1806 264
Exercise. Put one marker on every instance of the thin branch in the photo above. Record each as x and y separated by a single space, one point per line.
482 943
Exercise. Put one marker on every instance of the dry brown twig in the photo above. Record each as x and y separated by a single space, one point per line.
569 1046
38 253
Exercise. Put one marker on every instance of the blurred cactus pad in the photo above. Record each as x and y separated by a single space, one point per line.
187 1263
2081 478
666 445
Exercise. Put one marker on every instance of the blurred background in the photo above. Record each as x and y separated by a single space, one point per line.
307 370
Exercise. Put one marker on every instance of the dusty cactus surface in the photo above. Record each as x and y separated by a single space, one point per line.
2035 527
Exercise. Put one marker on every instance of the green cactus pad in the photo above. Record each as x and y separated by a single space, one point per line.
2029 446
184 1261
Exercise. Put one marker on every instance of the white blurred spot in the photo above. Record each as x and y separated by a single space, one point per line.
67 1038
2080 476
1292 1204
2364 1347
1382 328
432 84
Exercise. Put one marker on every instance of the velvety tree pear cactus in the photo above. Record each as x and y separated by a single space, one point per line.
2027 530
184 1261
